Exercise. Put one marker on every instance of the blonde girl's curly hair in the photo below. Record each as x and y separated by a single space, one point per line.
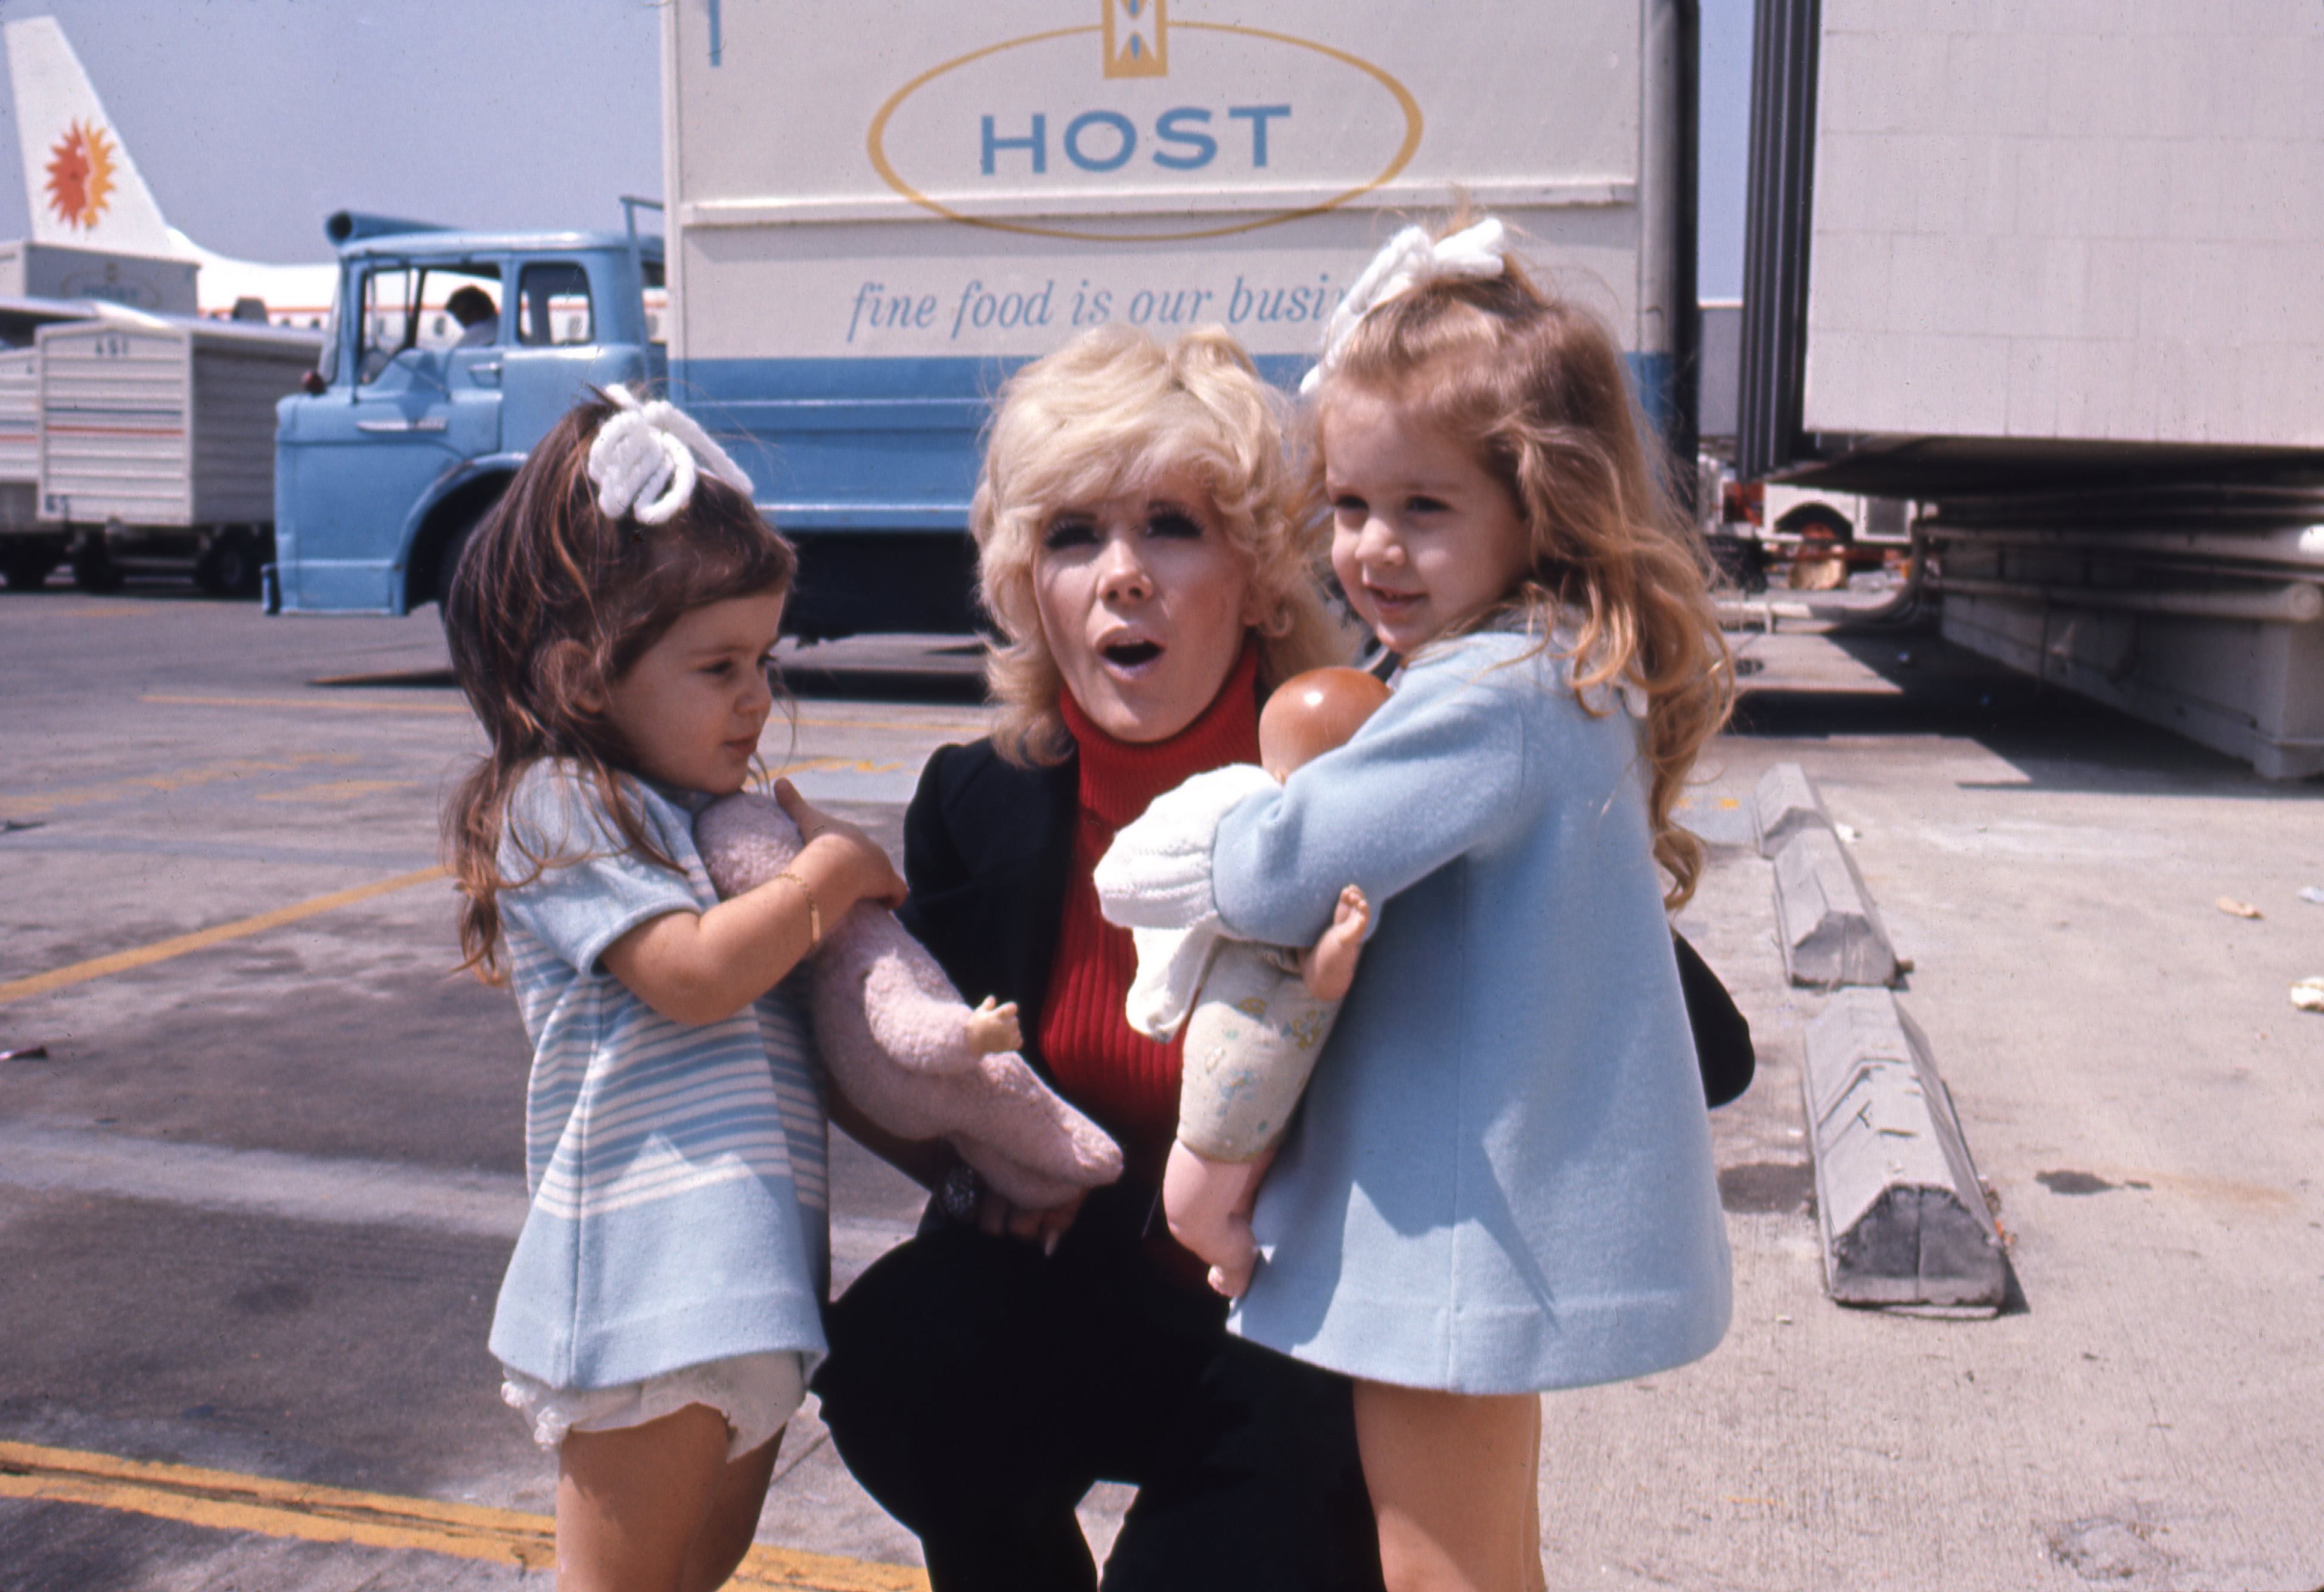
1110 410
1619 574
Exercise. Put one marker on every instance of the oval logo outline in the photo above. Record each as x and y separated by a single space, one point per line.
874 142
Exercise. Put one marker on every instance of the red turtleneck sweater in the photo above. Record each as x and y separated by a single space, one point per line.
1123 1079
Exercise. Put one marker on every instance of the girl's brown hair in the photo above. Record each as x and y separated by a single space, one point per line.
1111 408
1536 385
553 603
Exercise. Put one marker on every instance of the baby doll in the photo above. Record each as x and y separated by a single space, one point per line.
1262 1013
903 1046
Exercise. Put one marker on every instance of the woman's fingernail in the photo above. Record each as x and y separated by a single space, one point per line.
1049 1241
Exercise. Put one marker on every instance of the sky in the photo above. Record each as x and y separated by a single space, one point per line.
252 120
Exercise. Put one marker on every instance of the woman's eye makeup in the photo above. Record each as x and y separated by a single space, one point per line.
1173 522
1070 532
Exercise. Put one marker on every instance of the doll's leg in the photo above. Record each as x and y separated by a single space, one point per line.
1208 1204
631 1503
1452 1477
1329 968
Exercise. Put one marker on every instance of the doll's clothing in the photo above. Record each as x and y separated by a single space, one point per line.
1250 1045
680 1209
757 1394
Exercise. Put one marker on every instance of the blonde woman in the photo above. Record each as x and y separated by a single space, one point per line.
1139 550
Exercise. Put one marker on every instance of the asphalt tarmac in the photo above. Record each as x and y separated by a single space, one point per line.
256 1196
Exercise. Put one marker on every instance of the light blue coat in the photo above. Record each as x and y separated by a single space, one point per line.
1501 1180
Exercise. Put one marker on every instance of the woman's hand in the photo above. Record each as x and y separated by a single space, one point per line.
862 865
996 1216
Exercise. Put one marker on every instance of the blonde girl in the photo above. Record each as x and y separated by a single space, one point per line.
610 625
1503 1181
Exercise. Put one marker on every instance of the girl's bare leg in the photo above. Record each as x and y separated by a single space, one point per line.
654 1508
1452 1479
734 1519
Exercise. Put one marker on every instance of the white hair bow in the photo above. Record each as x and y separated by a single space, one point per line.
643 460
1410 259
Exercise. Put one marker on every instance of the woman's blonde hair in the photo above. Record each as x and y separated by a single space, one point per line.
1536 385
1110 410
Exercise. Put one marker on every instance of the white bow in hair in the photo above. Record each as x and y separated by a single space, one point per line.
1411 258
643 460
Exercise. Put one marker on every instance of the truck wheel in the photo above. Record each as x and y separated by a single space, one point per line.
447 562
27 569
93 568
230 568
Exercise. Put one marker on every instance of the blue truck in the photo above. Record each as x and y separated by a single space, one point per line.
448 355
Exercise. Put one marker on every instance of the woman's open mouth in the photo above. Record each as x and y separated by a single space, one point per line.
1130 655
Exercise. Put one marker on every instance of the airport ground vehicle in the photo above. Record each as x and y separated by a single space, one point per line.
860 255
2052 274
131 440
411 426
156 443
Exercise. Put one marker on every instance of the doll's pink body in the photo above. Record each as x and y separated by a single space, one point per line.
895 1035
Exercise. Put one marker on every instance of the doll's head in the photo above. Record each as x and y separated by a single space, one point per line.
1311 714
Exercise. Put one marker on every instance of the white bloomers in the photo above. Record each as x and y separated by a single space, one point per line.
756 1393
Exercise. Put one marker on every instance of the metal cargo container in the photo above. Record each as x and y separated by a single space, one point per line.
157 438
2053 271
29 548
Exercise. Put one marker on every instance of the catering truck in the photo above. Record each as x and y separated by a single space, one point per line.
2051 272
877 211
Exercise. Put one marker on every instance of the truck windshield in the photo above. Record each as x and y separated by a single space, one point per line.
553 304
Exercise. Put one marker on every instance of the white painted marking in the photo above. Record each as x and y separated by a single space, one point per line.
338 1191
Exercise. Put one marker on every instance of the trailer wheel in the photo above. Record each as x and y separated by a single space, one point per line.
27 569
93 568
230 568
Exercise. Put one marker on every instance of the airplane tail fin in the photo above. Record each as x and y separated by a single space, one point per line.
80 184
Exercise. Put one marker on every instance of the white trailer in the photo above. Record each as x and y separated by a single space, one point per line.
2053 270
876 211
157 442
30 549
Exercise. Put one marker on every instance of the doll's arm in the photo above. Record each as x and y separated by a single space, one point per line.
1328 967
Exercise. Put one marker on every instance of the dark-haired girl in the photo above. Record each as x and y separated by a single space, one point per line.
611 626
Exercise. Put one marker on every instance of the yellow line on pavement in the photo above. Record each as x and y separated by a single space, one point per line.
223 1499
121 961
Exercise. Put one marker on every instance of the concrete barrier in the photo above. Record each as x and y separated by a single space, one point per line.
1830 932
1783 803
1903 1217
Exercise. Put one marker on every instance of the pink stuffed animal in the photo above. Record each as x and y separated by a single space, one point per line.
901 1044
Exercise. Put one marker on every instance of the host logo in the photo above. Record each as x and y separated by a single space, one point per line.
1013 135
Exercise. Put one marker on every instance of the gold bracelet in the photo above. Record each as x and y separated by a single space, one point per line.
814 913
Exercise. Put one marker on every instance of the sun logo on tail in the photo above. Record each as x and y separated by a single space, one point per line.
80 174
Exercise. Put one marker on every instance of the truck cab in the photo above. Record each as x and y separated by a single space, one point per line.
448 355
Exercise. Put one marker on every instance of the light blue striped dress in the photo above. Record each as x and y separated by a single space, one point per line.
680 1205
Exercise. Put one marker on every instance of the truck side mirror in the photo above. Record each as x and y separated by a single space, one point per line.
313 385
